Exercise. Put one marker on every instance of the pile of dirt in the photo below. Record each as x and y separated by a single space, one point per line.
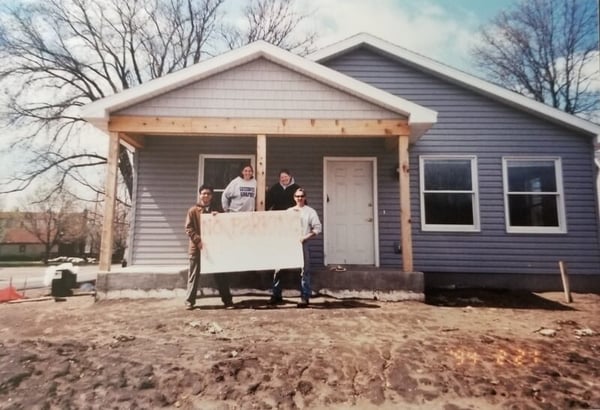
459 350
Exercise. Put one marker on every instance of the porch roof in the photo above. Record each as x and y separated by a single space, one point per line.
420 119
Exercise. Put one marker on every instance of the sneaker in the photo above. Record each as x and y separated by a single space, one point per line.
303 303
274 301
228 304
189 306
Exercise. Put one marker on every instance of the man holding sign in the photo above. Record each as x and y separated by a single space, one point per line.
310 227
192 229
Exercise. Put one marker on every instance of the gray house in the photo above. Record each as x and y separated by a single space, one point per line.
415 168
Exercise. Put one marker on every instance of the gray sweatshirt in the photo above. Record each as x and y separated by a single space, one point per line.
309 219
239 196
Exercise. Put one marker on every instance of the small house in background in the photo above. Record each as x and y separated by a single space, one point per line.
38 235
414 167
16 242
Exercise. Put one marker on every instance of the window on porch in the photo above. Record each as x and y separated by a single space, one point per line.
218 170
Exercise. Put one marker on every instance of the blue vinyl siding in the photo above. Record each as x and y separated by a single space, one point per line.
473 124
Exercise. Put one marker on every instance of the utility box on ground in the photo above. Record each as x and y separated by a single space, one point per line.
63 286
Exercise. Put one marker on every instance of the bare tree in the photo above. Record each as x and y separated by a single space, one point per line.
546 50
58 55
275 21
53 219
120 230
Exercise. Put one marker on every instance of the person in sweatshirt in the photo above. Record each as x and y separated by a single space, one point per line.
240 194
279 198
311 227
281 195
192 229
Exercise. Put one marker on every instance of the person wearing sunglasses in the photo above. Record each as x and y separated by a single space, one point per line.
311 227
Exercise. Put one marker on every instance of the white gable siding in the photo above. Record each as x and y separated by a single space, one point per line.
259 89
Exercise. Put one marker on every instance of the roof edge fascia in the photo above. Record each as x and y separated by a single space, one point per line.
458 77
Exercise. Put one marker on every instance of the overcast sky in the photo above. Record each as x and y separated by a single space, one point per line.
439 29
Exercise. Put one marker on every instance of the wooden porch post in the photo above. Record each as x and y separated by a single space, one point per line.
106 244
405 222
261 168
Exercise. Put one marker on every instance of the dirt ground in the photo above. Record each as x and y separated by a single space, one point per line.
459 350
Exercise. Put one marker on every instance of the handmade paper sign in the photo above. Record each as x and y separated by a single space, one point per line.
245 241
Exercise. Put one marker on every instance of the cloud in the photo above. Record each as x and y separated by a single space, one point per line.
423 27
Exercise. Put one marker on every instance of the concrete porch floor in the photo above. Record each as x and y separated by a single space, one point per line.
353 282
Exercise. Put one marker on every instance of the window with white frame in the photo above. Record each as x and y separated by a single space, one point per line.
218 170
449 193
533 195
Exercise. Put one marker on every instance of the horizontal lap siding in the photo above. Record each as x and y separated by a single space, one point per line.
304 157
259 89
166 188
471 124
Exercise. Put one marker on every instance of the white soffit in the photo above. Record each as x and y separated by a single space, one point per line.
458 77
419 118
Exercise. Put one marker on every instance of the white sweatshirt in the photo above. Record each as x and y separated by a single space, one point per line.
309 219
239 196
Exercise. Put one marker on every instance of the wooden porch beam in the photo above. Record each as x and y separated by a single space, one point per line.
261 171
106 243
133 125
136 141
405 218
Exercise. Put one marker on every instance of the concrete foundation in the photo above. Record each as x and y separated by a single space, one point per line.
532 283
170 282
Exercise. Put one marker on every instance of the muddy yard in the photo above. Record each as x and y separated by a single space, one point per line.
459 350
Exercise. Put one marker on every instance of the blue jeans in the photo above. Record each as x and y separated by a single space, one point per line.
305 274
305 291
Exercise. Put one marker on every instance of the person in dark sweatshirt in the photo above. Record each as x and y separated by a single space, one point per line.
281 195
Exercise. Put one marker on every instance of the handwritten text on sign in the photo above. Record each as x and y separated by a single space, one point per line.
246 241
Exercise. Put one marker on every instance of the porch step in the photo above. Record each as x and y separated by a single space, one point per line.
380 284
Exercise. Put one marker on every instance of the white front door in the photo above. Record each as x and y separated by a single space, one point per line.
350 211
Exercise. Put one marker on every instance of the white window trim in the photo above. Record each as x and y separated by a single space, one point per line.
475 227
203 157
562 220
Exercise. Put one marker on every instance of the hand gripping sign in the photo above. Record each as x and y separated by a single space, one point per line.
247 241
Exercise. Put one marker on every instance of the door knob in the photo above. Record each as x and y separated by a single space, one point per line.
370 220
